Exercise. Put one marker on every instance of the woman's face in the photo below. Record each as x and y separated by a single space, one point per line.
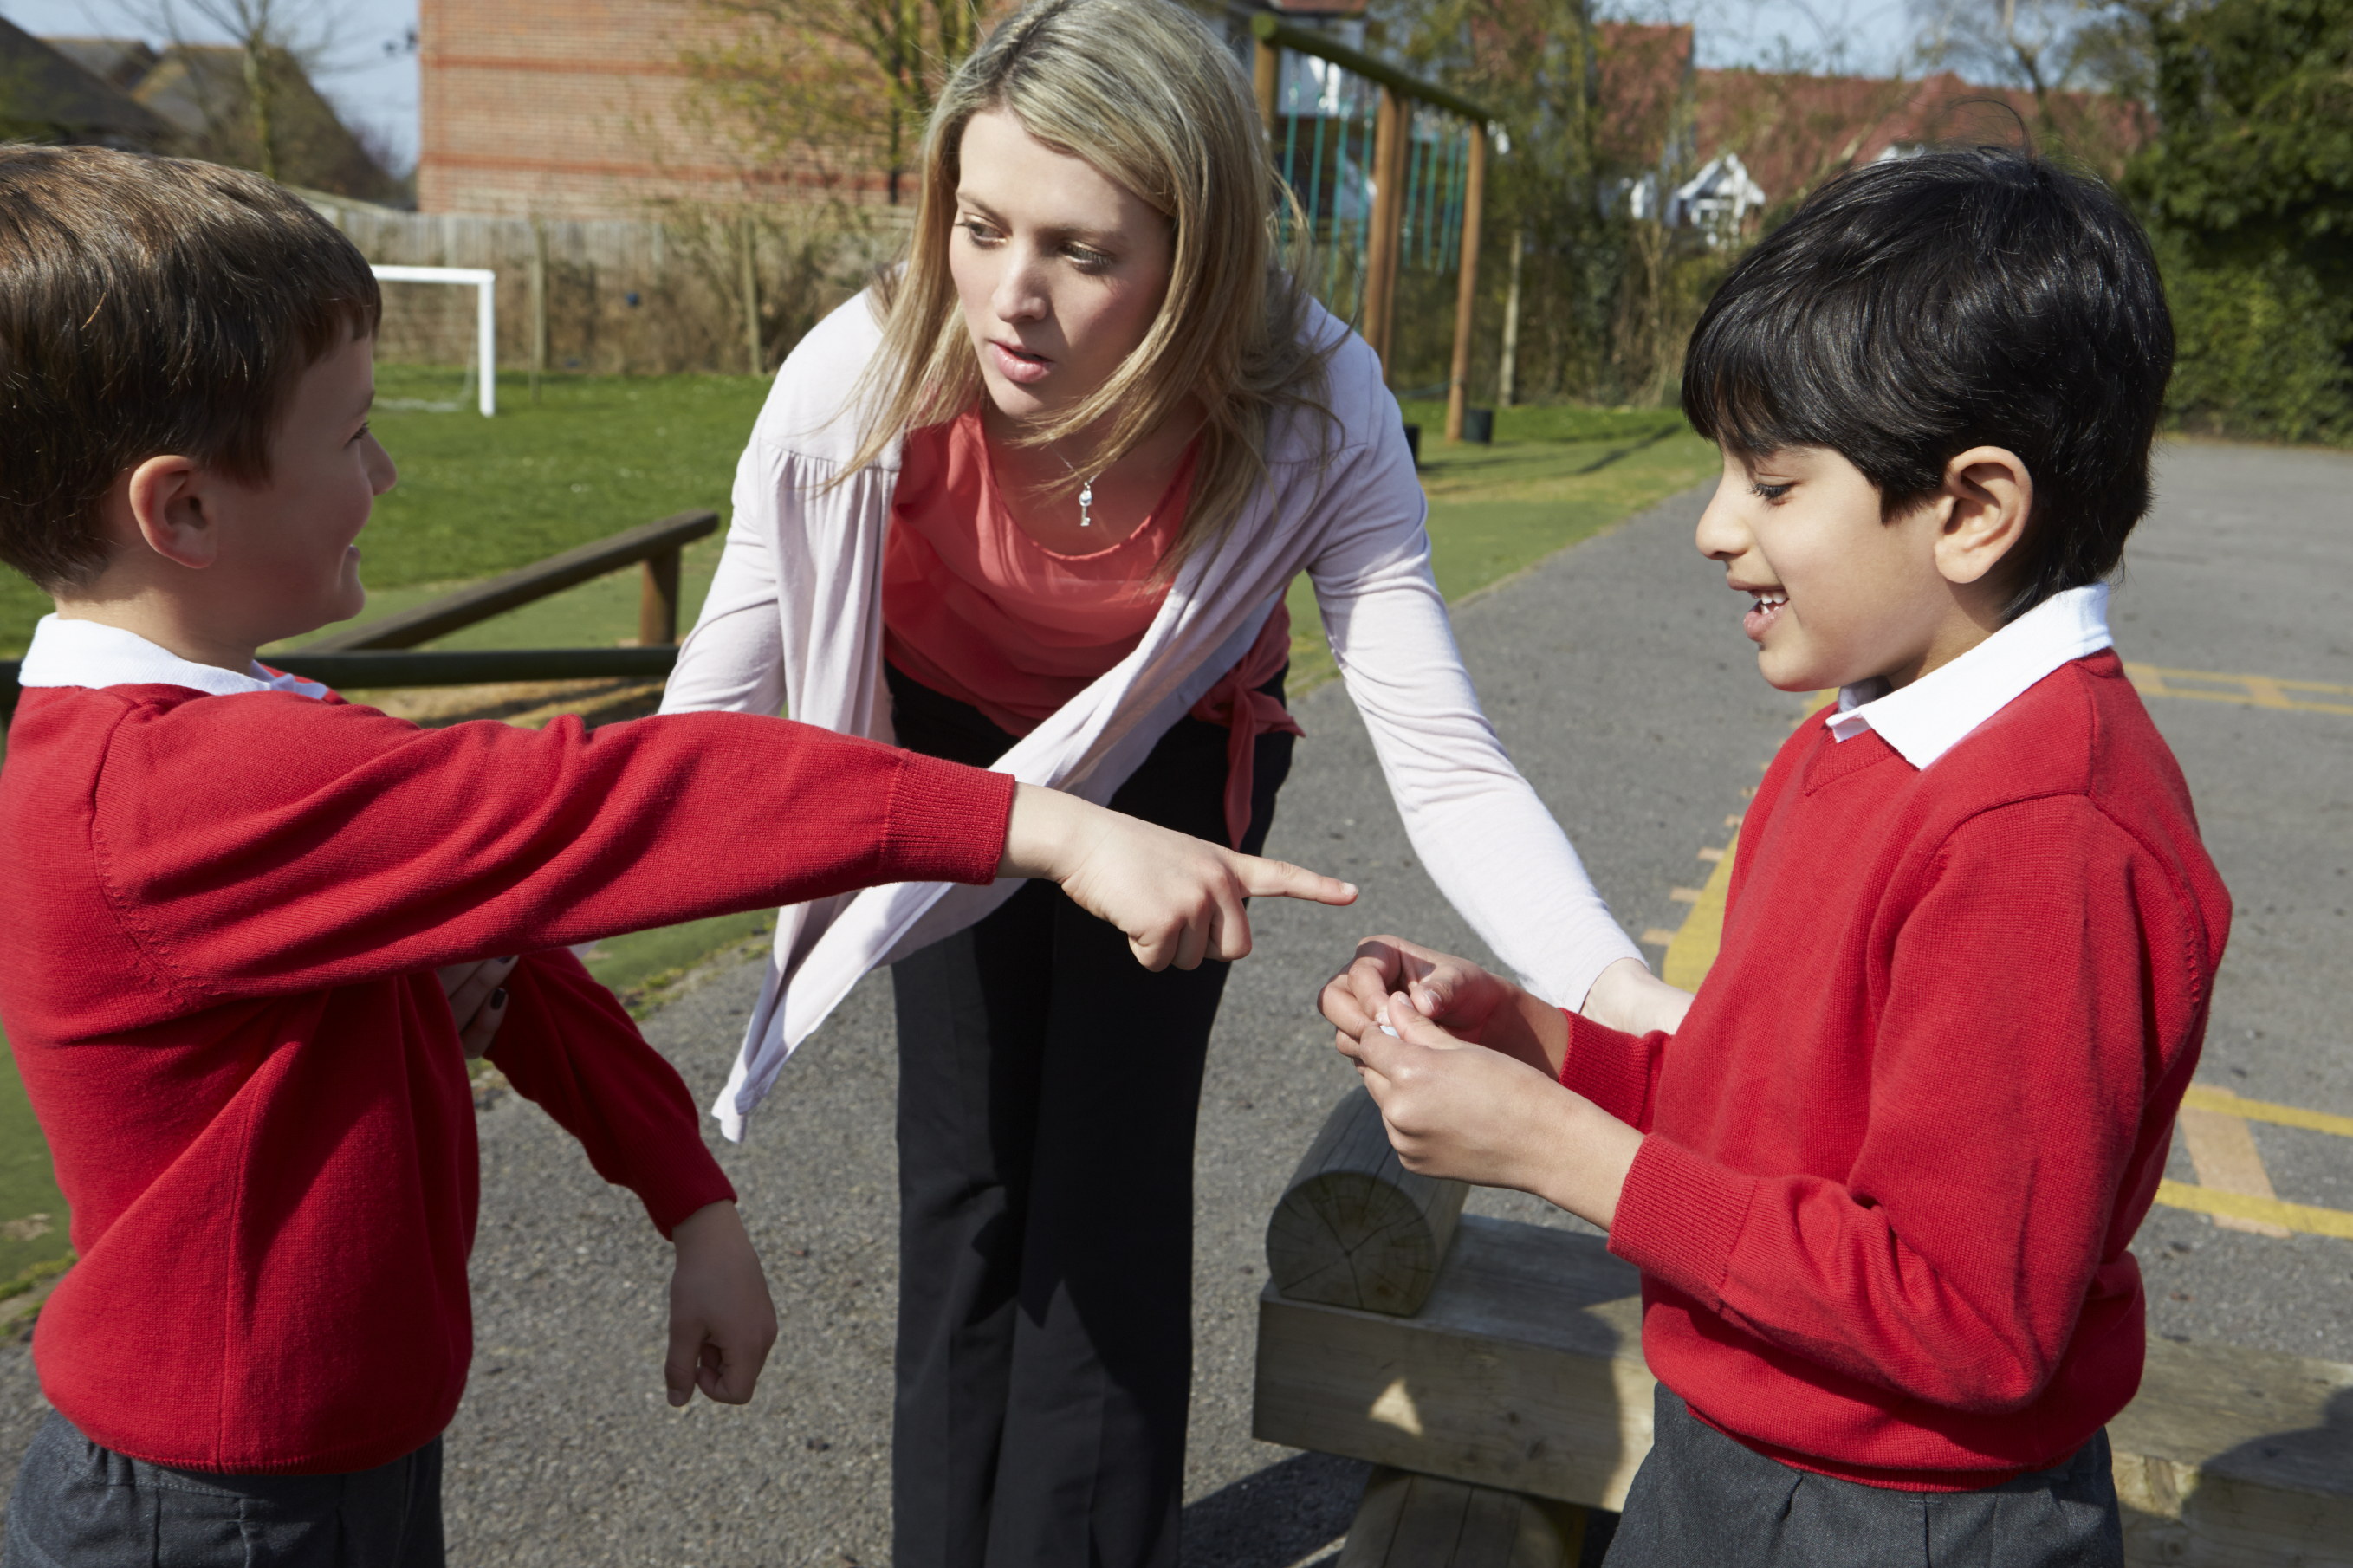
1061 268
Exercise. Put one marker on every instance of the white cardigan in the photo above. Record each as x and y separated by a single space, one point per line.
794 621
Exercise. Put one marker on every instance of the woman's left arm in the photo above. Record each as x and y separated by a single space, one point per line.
1494 849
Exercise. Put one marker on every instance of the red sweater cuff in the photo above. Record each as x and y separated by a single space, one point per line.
671 1196
1610 1067
947 822
1679 1217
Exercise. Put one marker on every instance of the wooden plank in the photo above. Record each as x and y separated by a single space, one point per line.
1466 285
2231 1456
455 610
1270 29
1356 1228
1524 1371
1405 1520
475 666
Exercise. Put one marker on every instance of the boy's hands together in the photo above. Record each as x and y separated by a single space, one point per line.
1178 899
1471 1004
721 1321
1469 1113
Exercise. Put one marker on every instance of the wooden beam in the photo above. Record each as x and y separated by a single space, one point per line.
1389 213
475 666
1407 1521
467 605
1356 1228
1266 76
657 600
1523 1371
1269 28
1466 286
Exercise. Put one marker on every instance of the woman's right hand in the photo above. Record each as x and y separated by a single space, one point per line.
1459 996
1178 899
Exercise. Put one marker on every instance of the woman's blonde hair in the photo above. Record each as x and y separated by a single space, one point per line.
1146 92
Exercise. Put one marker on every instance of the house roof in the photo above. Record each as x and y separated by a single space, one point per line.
118 62
1795 131
45 91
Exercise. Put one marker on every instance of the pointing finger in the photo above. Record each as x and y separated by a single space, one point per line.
1279 878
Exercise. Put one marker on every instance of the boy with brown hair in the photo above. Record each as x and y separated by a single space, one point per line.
231 892
1883 1176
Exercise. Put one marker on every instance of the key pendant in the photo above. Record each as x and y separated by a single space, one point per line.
1086 499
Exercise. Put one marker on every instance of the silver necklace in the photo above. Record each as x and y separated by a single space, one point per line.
1086 491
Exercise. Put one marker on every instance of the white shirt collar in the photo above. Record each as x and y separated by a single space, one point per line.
1929 717
86 653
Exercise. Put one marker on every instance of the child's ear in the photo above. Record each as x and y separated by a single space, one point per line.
1987 497
160 503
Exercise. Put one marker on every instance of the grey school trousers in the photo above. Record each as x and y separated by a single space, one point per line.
1701 1498
79 1504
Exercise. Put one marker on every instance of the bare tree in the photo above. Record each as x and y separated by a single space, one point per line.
2047 47
835 80
279 43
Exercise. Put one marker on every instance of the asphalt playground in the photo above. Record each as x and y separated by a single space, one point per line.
1617 676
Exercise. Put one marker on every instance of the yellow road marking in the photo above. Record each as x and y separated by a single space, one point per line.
2247 690
2203 1097
2222 1151
1694 944
2269 1211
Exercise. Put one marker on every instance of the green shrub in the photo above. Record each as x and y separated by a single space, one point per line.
2261 348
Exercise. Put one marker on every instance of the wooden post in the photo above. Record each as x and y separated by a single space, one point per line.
1466 290
1388 211
1507 373
1355 1229
751 285
657 601
538 303
1266 76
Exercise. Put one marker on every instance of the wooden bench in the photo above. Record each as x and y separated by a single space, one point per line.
1520 1373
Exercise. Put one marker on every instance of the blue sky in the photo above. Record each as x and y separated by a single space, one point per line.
371 74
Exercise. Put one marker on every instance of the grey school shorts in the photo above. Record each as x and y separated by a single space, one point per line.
79 1504
1703 1498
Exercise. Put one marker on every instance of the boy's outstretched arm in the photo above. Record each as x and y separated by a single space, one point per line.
723 1323
1178 899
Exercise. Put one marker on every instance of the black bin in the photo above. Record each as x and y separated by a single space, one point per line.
1479 425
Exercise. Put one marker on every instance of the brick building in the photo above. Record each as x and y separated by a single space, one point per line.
573 108
587 109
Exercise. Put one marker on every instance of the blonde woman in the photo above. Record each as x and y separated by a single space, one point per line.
1033 504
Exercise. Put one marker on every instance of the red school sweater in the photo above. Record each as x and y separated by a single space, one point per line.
216 959
1898 1147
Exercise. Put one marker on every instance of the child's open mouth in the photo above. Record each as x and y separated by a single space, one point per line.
1763 613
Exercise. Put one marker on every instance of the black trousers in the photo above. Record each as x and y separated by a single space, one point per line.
79 1504
1048 1091
1701 1498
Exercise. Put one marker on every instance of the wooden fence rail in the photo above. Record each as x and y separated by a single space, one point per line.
372 657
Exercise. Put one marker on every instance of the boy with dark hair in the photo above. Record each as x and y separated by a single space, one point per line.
230 892
1881 1177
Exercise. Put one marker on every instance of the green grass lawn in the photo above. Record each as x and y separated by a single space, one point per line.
599 454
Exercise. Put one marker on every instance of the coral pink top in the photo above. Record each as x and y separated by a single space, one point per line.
978 610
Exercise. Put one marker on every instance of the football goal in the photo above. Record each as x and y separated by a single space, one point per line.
434 327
